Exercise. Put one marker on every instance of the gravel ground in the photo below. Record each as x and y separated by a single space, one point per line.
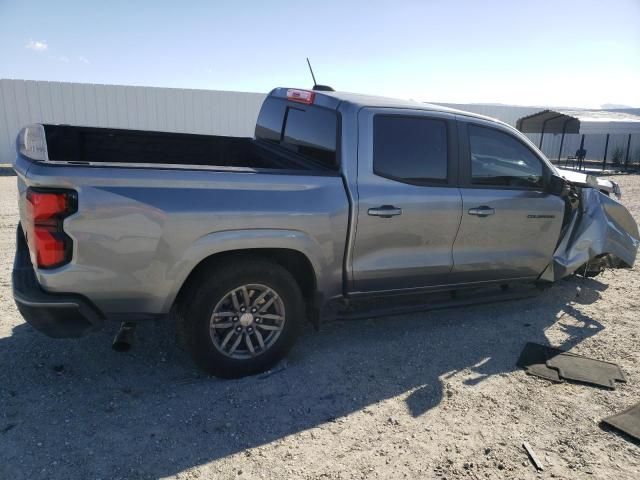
430 395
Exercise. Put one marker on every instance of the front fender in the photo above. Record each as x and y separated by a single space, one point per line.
601 226
246 239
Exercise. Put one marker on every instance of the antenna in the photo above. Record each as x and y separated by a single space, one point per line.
322 88
311 70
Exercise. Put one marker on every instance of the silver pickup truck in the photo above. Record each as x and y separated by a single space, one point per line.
338 198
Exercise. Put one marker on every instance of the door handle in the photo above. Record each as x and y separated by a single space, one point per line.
482 211
385 211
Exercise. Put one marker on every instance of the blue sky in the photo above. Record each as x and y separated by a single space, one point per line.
566 53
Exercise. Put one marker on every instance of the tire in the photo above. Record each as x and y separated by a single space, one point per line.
210 339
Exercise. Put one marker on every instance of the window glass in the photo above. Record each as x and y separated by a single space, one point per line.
410 149
312 132
270 120
308 130
498 158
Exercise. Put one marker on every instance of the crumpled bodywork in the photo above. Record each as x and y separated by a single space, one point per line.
581 179
600 231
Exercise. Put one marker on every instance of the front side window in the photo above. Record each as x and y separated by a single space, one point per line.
410 149
499 159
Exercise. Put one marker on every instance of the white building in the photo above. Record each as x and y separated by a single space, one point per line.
117 106
204 112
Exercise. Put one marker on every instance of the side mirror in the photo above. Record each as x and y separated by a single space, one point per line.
556 185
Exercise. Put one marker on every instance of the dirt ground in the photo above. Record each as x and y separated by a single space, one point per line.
429 395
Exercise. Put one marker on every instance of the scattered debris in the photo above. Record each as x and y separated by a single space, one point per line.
627 421
532 455
534 360
283 366
587 370
393 421
557 365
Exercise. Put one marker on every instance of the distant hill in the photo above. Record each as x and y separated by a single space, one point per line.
614 106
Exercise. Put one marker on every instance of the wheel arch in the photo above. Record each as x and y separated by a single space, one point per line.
294 261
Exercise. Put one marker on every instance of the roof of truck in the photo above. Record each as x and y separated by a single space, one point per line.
361 100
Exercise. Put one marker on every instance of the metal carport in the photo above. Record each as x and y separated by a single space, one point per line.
581 122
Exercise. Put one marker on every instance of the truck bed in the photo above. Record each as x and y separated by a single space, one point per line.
138 232
90 145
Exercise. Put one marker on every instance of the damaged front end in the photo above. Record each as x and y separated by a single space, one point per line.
598 232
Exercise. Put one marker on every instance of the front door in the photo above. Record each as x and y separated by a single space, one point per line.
409 206
510 226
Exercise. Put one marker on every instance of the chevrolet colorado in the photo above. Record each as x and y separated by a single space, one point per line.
338 197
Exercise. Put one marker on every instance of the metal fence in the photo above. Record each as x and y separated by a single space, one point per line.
594 144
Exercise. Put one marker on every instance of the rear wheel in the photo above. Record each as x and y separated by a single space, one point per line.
243 317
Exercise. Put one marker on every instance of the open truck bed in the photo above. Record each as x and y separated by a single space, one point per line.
117 147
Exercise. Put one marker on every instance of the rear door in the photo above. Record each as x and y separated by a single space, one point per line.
409 206
510 225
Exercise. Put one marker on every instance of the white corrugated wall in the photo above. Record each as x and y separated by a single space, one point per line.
145 108
206 112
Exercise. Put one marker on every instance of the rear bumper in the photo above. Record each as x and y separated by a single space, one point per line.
54 314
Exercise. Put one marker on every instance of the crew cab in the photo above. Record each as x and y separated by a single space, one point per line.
338 197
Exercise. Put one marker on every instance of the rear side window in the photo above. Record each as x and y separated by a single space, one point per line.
410 149
499 159
307 130
271 120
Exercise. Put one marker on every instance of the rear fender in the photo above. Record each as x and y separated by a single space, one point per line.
244 240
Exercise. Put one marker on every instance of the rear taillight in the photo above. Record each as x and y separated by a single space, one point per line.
46 209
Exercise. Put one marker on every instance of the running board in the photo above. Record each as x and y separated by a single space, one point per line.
456 300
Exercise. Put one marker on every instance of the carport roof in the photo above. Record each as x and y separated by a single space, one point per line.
579 121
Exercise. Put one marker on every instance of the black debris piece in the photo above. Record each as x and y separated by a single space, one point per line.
627 421
587 370
534 360
557 365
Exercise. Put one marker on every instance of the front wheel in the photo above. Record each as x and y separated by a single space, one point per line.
243 318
